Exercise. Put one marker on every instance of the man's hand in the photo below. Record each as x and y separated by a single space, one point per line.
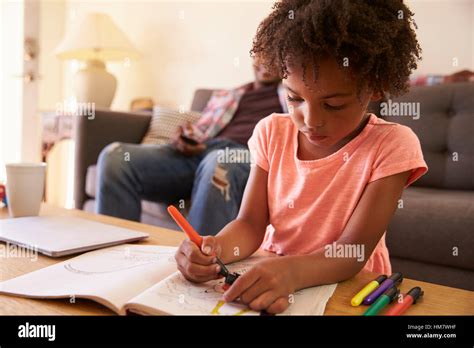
183 147
266 286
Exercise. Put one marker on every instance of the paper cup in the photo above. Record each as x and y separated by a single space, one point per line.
25 188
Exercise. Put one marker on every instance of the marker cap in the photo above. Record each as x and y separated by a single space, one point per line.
381 279
392 293
397 278
415 293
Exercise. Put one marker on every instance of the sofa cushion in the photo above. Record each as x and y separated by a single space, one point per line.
164 124
154 209
152 213
444 127
428 272
91 182
201 98
431 225
155 213
89 206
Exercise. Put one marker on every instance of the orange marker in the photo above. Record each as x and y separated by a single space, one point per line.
185 226
197 239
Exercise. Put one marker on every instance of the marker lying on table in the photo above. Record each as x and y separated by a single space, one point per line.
393 280
382 301
197 239
374 284
410 298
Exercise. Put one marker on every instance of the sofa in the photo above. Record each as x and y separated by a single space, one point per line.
430 239
91 136
432 236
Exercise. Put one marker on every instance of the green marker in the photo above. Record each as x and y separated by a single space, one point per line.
382 301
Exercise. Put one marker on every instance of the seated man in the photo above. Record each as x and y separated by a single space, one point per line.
128 173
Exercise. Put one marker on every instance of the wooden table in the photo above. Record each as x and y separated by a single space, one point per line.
438 300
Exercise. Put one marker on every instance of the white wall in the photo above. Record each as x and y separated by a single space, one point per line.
186 45
445 32
11 83
52 20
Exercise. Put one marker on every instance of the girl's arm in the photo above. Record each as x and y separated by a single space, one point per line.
269 284
365 227
243 236
238 240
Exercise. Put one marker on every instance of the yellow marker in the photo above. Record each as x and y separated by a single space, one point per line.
366 290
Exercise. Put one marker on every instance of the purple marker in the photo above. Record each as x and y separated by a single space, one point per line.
393 280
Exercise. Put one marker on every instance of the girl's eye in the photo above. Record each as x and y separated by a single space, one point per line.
334 107
293 99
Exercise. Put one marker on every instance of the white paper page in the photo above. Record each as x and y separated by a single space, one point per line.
175 295
55 235
110 276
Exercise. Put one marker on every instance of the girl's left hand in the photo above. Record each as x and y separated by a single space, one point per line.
266 286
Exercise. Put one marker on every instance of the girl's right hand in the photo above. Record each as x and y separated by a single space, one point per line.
199 265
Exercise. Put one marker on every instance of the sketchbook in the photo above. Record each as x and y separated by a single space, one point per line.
58 236
143 279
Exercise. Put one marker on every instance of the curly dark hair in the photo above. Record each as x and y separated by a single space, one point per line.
376 36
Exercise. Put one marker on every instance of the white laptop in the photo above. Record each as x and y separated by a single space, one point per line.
58 236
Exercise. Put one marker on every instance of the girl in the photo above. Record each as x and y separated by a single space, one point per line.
327 174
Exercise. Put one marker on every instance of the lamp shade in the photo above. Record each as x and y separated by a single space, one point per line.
96 38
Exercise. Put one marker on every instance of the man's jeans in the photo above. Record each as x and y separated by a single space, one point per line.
128 173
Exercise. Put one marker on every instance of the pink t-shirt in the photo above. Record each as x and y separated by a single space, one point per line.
310 202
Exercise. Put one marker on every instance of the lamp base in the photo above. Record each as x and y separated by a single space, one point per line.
94 84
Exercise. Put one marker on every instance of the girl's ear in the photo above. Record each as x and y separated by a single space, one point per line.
376 96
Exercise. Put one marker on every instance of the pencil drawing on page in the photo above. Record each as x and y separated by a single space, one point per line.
118 260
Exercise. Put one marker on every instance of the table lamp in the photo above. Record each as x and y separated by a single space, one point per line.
95 41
